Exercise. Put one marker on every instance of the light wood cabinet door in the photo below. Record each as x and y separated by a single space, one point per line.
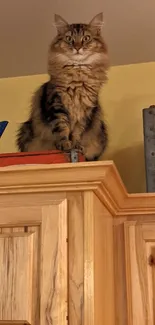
33 259
140 272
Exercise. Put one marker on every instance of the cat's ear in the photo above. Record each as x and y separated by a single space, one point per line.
60 24
97 22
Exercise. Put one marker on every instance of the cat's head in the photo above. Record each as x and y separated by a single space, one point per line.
79 43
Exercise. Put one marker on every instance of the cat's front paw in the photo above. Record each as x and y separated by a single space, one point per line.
79 148
64 145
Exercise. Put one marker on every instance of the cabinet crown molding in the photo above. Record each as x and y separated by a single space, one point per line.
100 177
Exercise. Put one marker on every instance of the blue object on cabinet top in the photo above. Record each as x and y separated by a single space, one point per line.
3 125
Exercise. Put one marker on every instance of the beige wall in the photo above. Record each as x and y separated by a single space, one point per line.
129 90
26 29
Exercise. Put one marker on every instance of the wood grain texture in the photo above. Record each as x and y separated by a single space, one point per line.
16 261
150 251
26 216
76 258
103 265
89 293
35 300
120 272
54 293
140 245
99 307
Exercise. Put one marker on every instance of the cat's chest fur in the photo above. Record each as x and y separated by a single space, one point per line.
79 95
78 101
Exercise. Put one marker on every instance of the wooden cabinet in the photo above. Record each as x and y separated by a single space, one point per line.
75 247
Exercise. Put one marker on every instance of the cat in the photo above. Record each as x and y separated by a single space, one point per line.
65 112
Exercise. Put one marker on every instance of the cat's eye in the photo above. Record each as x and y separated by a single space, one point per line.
69 39
86 38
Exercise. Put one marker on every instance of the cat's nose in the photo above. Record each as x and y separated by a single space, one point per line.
77 47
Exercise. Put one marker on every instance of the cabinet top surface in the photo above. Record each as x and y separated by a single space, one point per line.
100 177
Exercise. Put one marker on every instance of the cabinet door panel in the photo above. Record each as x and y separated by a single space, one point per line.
33 264
140 272
16 256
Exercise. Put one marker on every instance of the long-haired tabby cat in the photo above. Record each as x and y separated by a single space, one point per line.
65 112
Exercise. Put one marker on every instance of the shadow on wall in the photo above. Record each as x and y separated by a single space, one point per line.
131 166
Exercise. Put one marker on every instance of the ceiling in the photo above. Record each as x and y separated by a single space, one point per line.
26 28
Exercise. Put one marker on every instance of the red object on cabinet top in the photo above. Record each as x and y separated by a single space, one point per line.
43 157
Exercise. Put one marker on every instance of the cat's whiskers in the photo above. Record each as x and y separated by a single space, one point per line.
77 65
